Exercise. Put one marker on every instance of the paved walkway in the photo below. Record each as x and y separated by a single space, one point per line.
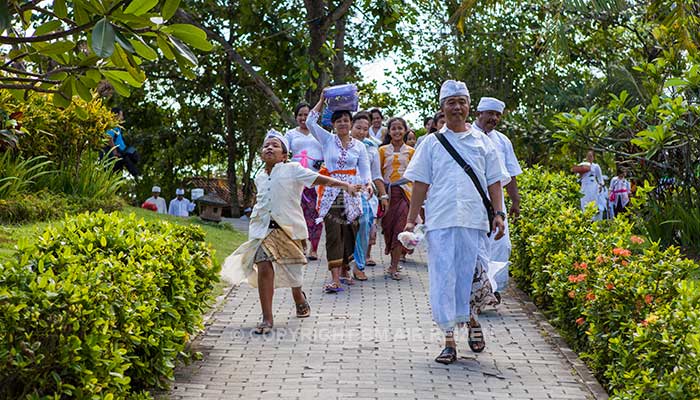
373 341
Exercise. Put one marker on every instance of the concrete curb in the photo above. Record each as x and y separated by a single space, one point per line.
585 374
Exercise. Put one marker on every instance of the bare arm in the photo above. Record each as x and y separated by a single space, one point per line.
495 193
512 189
420 191
328 181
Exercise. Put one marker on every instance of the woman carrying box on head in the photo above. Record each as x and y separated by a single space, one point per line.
346 160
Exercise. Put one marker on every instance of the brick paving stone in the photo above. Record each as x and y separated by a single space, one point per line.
375 340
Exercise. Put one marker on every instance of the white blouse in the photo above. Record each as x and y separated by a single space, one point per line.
278 198
354 157
304 148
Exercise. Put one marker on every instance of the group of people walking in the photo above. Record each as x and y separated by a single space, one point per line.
609 201
359 171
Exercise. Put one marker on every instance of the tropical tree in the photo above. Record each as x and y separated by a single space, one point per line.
70 47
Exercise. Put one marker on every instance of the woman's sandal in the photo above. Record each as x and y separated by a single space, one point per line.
303 309
394 275
447 356
371 263
359 275
332 288
263 328
476 339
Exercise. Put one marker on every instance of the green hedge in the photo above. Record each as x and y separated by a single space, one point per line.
101 307
45 205
629 307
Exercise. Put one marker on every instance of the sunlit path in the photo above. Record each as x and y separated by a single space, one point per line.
375 340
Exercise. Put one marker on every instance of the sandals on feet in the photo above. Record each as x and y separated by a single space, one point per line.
447 356
263 328
394 275
371 263
498 297
359 275
476 339
333 288
303 309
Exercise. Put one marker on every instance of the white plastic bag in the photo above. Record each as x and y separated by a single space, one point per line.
410 240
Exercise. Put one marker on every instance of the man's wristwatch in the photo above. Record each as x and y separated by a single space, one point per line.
384 197
502 214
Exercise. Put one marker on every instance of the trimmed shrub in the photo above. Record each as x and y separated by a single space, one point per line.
101 306
626 304
41 206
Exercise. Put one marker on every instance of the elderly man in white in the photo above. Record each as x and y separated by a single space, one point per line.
180 206
456 216
489 112
157 200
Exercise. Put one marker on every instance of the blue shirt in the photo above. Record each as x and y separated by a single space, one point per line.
117 137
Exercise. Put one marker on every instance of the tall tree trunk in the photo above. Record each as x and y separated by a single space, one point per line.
319 25
319 32
339 70
231 153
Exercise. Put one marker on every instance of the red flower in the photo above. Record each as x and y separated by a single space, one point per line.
636 239
645 323
572 278
624 263
572 294
583 265
581 277
590 296
609 286
600 259
149 206
580 321
618 251
648 299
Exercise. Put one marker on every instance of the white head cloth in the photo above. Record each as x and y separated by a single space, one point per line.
155 189
452 88
491 104
273 134
180 192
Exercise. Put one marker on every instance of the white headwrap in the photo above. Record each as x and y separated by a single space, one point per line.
180 192
155 189
273 134
452 88
491 104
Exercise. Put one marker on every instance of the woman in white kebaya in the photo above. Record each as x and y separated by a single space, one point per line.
345 159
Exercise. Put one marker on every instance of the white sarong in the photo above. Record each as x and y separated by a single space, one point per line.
452 257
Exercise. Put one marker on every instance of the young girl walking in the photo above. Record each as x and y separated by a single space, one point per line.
393 159
273 257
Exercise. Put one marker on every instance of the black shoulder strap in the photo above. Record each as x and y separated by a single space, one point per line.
468 169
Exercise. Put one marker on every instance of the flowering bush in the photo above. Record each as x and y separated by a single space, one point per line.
626 304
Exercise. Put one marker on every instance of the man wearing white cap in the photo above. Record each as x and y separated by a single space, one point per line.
157 200
455 212
489 113
180 206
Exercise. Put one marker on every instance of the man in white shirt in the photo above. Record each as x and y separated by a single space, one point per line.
180 206
489 113
456 217
157 200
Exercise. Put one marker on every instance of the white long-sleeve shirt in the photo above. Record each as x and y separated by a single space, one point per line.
338 158
180 208
160 203
278 199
